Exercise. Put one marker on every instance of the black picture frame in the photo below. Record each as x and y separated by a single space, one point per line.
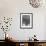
26 20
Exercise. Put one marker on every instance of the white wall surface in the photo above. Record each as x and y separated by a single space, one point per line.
13 8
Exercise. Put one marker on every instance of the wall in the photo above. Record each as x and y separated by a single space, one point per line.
13 8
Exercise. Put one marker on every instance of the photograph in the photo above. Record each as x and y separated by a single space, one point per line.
26 20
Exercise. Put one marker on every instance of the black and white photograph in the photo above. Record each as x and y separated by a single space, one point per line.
26 20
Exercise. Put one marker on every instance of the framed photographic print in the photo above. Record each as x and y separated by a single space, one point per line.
26 20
